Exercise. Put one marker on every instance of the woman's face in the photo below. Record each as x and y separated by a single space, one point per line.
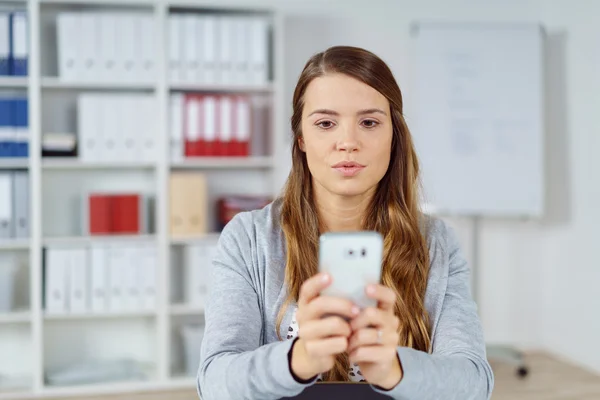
346 134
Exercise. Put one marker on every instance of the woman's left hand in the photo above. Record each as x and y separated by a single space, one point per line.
374 340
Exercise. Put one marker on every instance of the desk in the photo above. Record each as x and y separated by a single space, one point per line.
342 391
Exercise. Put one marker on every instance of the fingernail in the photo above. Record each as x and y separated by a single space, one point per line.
355 310
325 278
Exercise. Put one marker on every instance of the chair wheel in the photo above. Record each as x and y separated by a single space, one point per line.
522 372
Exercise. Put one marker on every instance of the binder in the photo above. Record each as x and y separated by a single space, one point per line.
20 192
20 146
241 139
116 260
175 48
146 121
6 206
108 46
98 273
259 38
56 285
126 213
225 50
193 139
147 45
130 68
241 50
188 204
70 41
4 44
210 118
89 37
99 214
90 126
195 287
131 136
20 44
223 143
176 126
131 293
210 45
188 32
78 278
110 114
6 127
147 276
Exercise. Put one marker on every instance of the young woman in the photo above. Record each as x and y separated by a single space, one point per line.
354 168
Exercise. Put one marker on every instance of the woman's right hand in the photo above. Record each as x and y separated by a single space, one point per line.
322 332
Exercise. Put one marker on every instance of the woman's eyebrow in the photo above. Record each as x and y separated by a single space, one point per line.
335 113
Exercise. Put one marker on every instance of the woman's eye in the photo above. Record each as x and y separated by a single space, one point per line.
369 123
325 124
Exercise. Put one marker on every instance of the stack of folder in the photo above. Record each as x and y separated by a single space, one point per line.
14 205
100 278
219 49
210 125
117 127
96 46
118 214
14 44
197 269
14 126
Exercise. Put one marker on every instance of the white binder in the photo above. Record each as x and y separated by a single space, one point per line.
98 278
20 193
56 285
175 48
176 126
69 42
147 47
188 33
225 50
78 278
210 45
89 36
6 206
108 47
147 273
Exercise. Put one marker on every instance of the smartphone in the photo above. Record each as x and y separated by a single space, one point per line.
353 260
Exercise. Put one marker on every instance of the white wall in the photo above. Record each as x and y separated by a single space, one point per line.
539 279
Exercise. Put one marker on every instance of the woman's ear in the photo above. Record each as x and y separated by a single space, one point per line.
301 143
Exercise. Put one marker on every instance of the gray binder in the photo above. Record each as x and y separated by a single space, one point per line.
21 204
6 207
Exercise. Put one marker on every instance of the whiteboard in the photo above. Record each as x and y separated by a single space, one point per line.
475 110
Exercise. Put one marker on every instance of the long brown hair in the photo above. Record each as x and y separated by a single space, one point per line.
393 211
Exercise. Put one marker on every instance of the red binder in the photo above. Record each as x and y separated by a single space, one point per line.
99 214
241 138
125 213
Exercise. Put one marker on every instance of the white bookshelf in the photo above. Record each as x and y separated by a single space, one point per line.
41 341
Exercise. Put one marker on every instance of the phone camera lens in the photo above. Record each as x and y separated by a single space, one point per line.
363 252
350 252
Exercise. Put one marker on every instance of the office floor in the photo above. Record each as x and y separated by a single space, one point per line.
549 379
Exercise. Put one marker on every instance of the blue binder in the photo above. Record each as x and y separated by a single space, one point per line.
6 127
21 110
19 44
5 44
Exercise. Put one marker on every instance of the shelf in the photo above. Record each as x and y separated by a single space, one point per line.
224 163
95 316
57 84
13 162
15 317
14 244
82 240
7 82
183 241
186 309
196 87
74 163
184 380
